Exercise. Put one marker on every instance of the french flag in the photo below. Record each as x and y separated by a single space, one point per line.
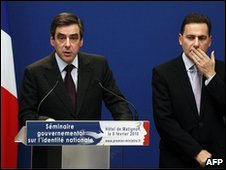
9 102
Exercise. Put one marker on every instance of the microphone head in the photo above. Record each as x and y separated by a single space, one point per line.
98 82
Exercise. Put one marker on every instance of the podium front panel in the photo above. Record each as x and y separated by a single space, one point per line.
85 157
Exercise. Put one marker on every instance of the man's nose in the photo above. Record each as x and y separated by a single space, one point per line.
67 43
196 42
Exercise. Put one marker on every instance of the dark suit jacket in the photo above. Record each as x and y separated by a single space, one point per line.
42 75
182 131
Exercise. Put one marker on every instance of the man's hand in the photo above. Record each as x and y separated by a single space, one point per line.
202 157
50 120
204 63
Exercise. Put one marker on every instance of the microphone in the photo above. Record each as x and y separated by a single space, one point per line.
136 116
43 99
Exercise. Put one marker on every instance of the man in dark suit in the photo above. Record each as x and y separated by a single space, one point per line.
191 132
47 76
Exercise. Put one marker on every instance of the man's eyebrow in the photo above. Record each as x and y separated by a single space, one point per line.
60 34
74 34
196 35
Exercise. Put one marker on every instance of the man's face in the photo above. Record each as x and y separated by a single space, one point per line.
67 42
195 36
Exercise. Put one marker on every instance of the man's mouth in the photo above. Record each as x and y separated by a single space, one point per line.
67 53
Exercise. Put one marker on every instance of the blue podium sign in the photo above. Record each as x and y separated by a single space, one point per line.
87 133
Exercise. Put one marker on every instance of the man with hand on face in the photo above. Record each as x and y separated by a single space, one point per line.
189 100
66 85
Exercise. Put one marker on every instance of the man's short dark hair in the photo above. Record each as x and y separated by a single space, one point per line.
196 18
66 19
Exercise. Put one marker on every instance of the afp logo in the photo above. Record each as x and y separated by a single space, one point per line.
214 162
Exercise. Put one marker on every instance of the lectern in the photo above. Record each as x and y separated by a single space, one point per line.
83 144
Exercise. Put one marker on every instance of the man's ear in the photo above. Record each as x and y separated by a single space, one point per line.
180 39
52 41
81 43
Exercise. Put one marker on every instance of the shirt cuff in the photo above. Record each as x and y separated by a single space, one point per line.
209 79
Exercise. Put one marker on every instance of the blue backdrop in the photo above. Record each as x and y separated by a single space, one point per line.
134 36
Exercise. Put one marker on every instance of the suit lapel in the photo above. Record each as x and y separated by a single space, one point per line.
53 74
84 77
203 98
